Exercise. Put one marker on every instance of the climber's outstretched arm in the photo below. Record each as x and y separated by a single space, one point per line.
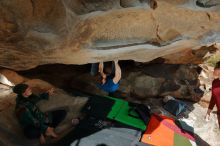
101 68
117 77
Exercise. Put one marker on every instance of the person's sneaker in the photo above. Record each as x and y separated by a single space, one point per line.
75 121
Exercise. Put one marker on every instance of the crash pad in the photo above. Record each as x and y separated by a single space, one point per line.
185 126
116 107
102 114
86 127
162 131
121 112
110 137
98 106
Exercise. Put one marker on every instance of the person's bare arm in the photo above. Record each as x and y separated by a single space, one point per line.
101 68
117 77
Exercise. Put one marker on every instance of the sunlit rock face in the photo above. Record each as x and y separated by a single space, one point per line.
85 31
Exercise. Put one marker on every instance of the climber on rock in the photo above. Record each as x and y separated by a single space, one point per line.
107 82
35 123
215 98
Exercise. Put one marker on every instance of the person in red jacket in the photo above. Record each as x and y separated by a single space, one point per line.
215 98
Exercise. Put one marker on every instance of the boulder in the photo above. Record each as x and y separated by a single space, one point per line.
36 32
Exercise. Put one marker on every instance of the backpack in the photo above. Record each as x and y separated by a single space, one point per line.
175 107
142 110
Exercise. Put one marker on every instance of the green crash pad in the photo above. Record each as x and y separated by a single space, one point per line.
116 107
120 113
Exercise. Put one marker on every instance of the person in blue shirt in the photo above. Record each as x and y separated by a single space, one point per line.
108 83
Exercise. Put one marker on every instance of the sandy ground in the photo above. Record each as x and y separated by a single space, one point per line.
208 131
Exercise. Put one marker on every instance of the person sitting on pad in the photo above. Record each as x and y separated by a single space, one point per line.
35 123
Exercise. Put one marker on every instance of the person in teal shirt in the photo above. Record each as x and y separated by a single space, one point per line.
35 123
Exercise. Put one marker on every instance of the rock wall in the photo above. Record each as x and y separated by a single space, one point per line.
139 80
84 31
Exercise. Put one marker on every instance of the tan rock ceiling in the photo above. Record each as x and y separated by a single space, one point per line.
82 31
